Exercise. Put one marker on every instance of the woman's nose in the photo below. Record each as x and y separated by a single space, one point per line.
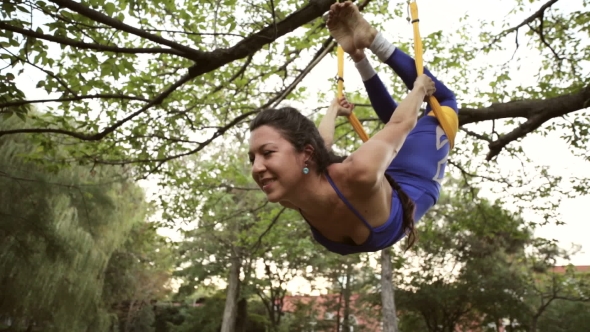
258 166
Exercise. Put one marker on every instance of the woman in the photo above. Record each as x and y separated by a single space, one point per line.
369 200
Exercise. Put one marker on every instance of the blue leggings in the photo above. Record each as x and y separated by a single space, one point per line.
420 164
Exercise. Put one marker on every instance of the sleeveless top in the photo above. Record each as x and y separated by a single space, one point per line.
379 237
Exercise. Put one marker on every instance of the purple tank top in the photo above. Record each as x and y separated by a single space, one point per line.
379 237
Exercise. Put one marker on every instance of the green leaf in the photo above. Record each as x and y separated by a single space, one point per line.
109 8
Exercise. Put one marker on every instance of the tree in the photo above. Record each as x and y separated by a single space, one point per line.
151 83
59 230
145 110
388 309
137 276
565 316
463 271
549 286
235 230
477 265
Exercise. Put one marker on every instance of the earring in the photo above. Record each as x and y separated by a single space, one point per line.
305 169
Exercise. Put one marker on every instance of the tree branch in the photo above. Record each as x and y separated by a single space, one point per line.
467 175
207 61
541 113
96 96
538 14
476 135
108 130
256 245
88 46
102 18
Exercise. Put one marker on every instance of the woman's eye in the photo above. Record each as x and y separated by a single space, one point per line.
266 153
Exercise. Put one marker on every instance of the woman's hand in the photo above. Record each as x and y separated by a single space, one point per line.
425 82
343 107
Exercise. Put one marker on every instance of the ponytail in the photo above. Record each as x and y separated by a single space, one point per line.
408 209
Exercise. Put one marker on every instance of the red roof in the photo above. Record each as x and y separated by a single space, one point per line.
577 268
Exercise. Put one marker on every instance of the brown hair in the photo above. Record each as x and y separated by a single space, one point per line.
301 131
408 209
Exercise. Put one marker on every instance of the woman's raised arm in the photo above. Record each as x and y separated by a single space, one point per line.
367 165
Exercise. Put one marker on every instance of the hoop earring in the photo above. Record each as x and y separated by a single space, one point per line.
305 169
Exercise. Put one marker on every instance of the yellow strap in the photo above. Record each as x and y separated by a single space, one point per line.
449 126
356 124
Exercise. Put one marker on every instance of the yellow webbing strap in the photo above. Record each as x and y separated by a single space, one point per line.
448 120
356 124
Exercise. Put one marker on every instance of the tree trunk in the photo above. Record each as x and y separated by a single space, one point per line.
242 318
346 295
533 327
387 296
230 313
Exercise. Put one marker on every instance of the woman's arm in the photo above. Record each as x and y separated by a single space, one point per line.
339 107
367 165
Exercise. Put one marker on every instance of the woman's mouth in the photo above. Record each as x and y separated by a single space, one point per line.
266 183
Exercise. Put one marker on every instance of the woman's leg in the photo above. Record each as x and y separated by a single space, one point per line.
380 99
405 67
420 164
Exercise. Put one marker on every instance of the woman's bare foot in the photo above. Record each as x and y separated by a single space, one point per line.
339 29
341 32
362 32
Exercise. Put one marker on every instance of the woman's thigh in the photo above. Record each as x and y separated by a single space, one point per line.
423 156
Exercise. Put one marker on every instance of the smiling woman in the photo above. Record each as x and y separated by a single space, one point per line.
371 199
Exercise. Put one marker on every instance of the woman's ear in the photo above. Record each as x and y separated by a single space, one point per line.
308 151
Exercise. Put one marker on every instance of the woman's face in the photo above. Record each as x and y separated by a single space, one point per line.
277 167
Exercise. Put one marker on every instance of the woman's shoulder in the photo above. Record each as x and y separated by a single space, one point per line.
344 176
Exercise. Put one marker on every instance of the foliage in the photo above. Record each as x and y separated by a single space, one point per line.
565 316
62 232
164 89
465 266
138 274
58 233
208 314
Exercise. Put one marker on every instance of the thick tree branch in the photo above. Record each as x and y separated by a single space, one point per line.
255 42
541 113
537 112
87 46
207 61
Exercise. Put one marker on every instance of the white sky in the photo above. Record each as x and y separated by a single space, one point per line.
445 14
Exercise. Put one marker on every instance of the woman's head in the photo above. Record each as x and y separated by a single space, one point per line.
284 144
